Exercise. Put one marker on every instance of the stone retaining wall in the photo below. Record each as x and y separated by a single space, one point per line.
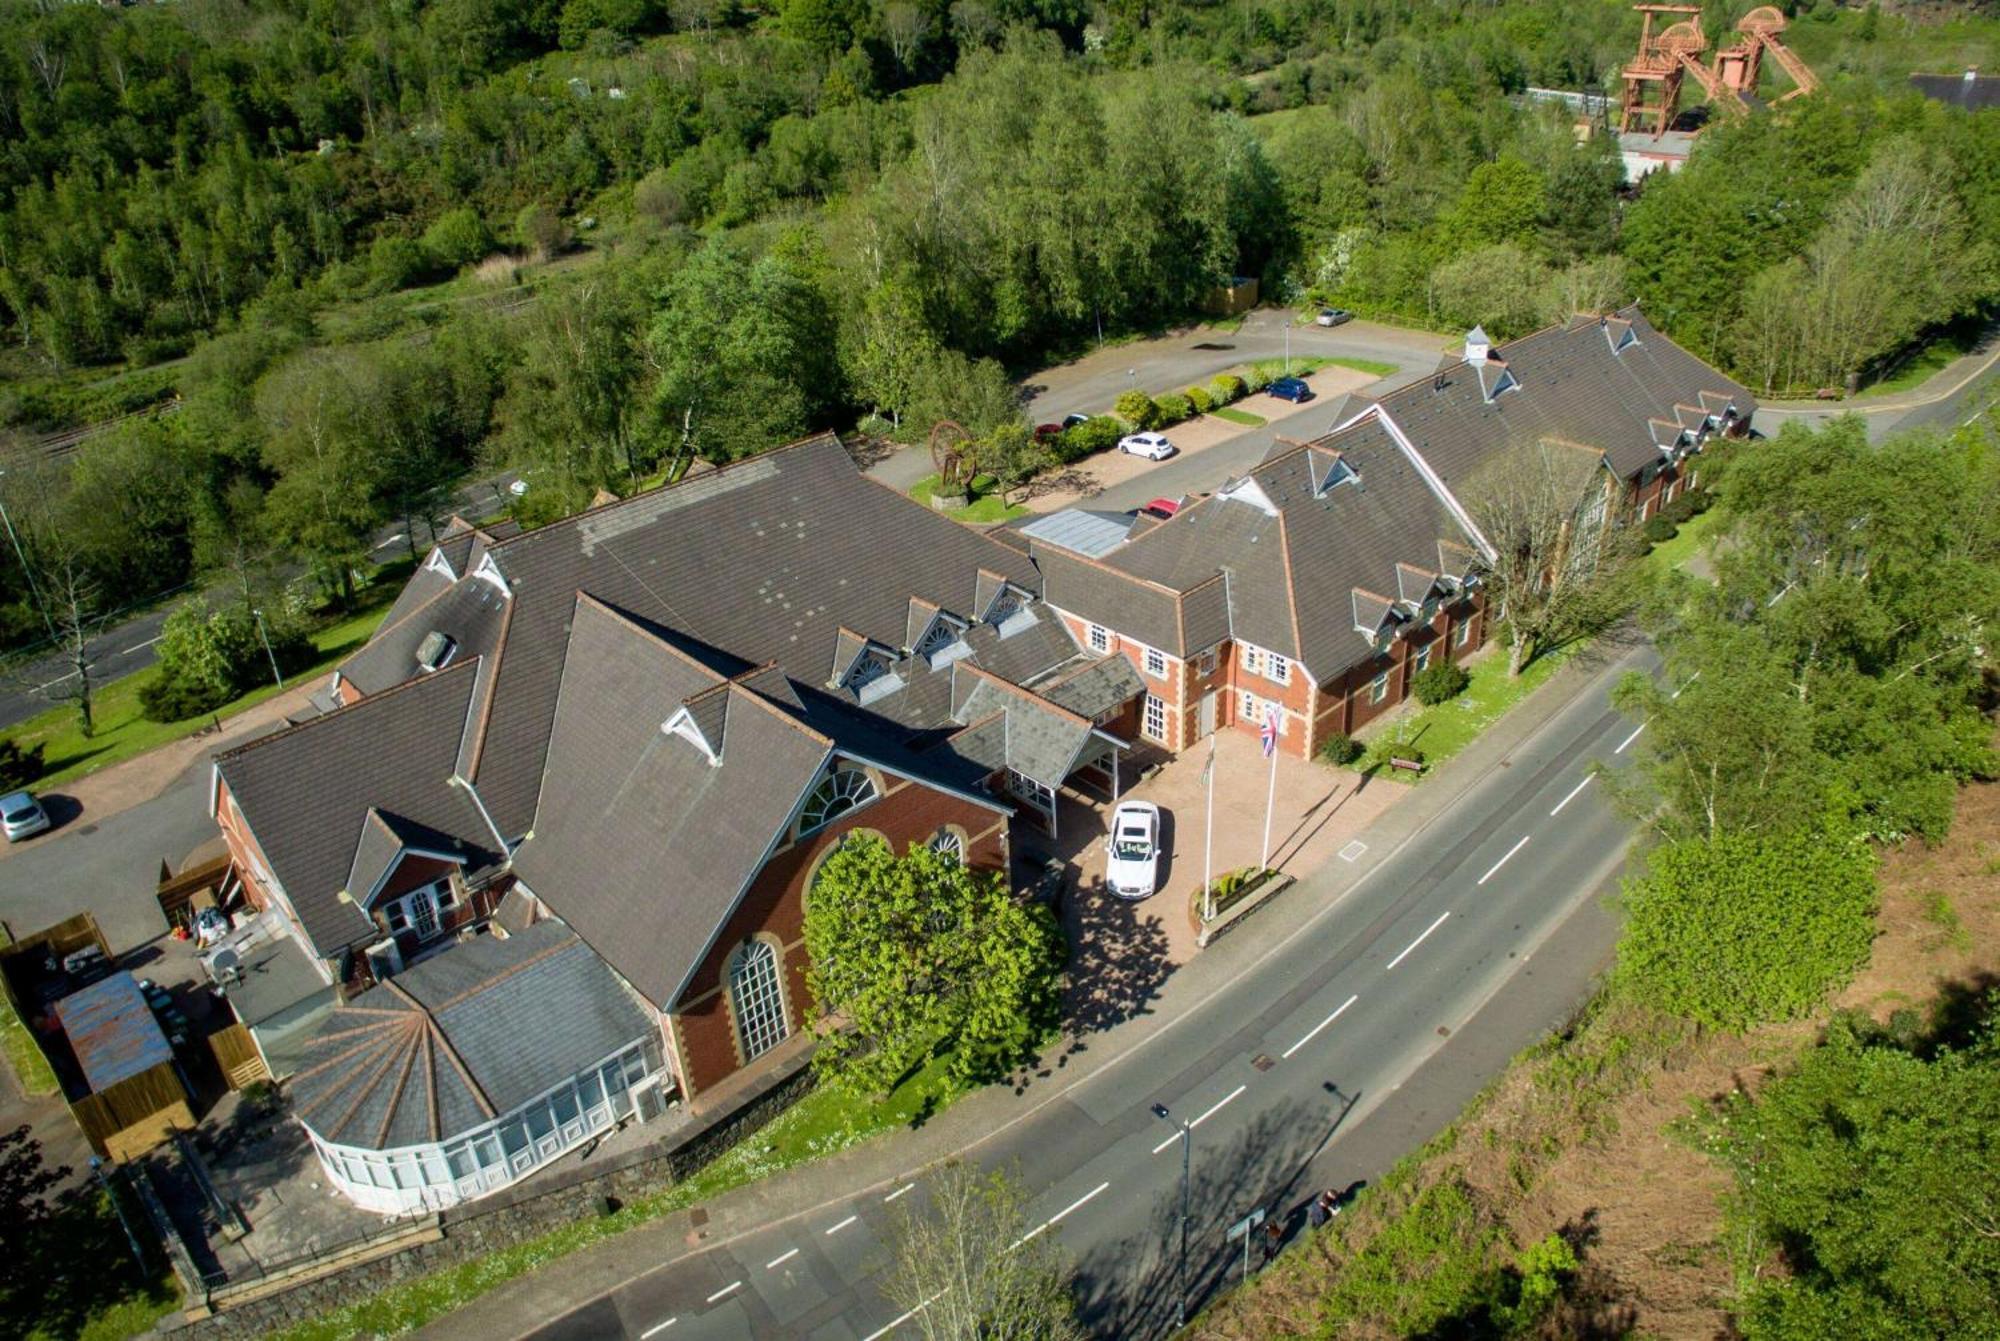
508 1217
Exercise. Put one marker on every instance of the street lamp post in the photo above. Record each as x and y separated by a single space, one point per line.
1288 347
258 615
1187 1138
27 572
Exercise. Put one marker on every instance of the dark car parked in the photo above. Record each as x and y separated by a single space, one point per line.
1292 389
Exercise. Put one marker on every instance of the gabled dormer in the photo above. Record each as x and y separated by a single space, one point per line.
1329 472
1376 617
1419 590
1000 602
1460 563
1618 333
1247 490
863 668
1495 379
701 720
934 634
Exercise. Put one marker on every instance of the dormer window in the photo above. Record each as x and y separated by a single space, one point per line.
1006 603
942 633
840 791
435 652
867 669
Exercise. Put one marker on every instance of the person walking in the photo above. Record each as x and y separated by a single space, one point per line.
1316 1214
1274 1238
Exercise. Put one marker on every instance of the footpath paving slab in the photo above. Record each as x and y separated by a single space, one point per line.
962 1129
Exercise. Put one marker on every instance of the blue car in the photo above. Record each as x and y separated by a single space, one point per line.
1292 389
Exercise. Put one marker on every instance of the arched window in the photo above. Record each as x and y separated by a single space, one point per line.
755 993
841 791
949 842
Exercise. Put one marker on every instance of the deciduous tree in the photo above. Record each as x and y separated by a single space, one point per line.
965 1270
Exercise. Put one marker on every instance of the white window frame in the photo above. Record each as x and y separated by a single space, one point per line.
1252 659
1422 660
1098 637
839 792
1277 669
758 1003
1462 634
1249 708
1156 663
1153 718
1378 688
949 842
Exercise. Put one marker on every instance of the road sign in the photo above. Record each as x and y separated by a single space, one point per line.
1246 1224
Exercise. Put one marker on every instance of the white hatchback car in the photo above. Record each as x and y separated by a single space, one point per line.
22 816
1132 867
1152 446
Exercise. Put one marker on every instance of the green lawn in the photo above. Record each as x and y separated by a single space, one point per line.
1693 534
1243 417
1373 367
988 505
122 728
31 1068
826 1121
1442 731
1925 364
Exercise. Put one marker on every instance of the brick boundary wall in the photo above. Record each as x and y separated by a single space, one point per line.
508 1217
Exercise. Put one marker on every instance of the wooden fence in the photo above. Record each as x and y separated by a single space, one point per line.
237 1057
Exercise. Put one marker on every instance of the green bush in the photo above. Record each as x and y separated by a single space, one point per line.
1096 434
1680 510
457 238
395 263
1738 929
1659 528
1255 380
19 767
1139 410
1227 389
1341 749
209 657
1699 501
1435 684
1172 409
1199 399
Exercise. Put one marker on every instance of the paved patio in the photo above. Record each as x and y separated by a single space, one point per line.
1121 952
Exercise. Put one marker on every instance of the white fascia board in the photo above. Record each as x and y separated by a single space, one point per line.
1436 483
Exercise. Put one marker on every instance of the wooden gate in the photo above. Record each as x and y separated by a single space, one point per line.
237 1057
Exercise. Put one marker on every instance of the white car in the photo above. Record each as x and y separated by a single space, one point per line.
22 816
1133 864
1152 446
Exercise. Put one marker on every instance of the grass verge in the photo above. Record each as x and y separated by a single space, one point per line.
1442 731
824 1122
1687 542
1373 367
989 502
31 1068
1243 417
123 729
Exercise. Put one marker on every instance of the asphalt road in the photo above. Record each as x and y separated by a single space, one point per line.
127 646
1960 405
1321 1058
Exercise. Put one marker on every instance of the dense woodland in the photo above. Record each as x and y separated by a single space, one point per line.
363 248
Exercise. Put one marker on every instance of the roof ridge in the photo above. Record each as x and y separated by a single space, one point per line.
1291 587
439 1041
407 615
619 616
1008 686
563 523
825 741
434 677
485 719
494 980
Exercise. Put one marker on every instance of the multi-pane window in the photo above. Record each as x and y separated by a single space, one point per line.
1155 718
1462 635
1156 662
941 634
1278 669
949 843
1424 657
1378 688
1100 638
841 792
755 993
1249 708
1253 660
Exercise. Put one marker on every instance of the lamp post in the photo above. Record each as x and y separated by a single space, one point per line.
1288 346
1187 1138
26 572
258 615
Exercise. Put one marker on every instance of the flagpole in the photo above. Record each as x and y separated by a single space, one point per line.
1271 794
1208 841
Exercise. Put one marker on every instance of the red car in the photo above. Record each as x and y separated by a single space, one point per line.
1048 432
1163 508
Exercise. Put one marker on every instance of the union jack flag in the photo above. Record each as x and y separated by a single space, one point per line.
1269 734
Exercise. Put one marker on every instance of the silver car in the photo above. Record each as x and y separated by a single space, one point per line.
22 816
1132 867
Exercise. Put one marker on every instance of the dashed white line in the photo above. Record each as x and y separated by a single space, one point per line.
1215 1108
843 1224
1078 1203
726 1291
1690 680
140 647
1419 940
1572 793
1314 1032
777 1262
657 1328
898 1192
1629 739
1491 871
881 1332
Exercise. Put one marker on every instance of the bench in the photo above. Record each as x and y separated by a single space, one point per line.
1407 765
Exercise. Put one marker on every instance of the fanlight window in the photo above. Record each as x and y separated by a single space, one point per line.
759 1001
941 634
839 793
948 843
867 669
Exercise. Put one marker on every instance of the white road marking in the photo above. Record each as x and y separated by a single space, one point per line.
899 1192
777 1262
880 1332
1629 739
140 647
1572 794
1504 860
1213 1109
1353 851
1078 1203
1690 680
658 1327
726 1291
843 1224
399 536
1418 941
1316 1028
53 683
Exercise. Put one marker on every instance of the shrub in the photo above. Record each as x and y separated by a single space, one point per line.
1738 929
457 238
1200 400
1659 528
541 230
1679 510
208 657
1096 434
1227 388
395 263
1139 410
19 767
1172 409
1255 380
1699 501
1341 749
1435 684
